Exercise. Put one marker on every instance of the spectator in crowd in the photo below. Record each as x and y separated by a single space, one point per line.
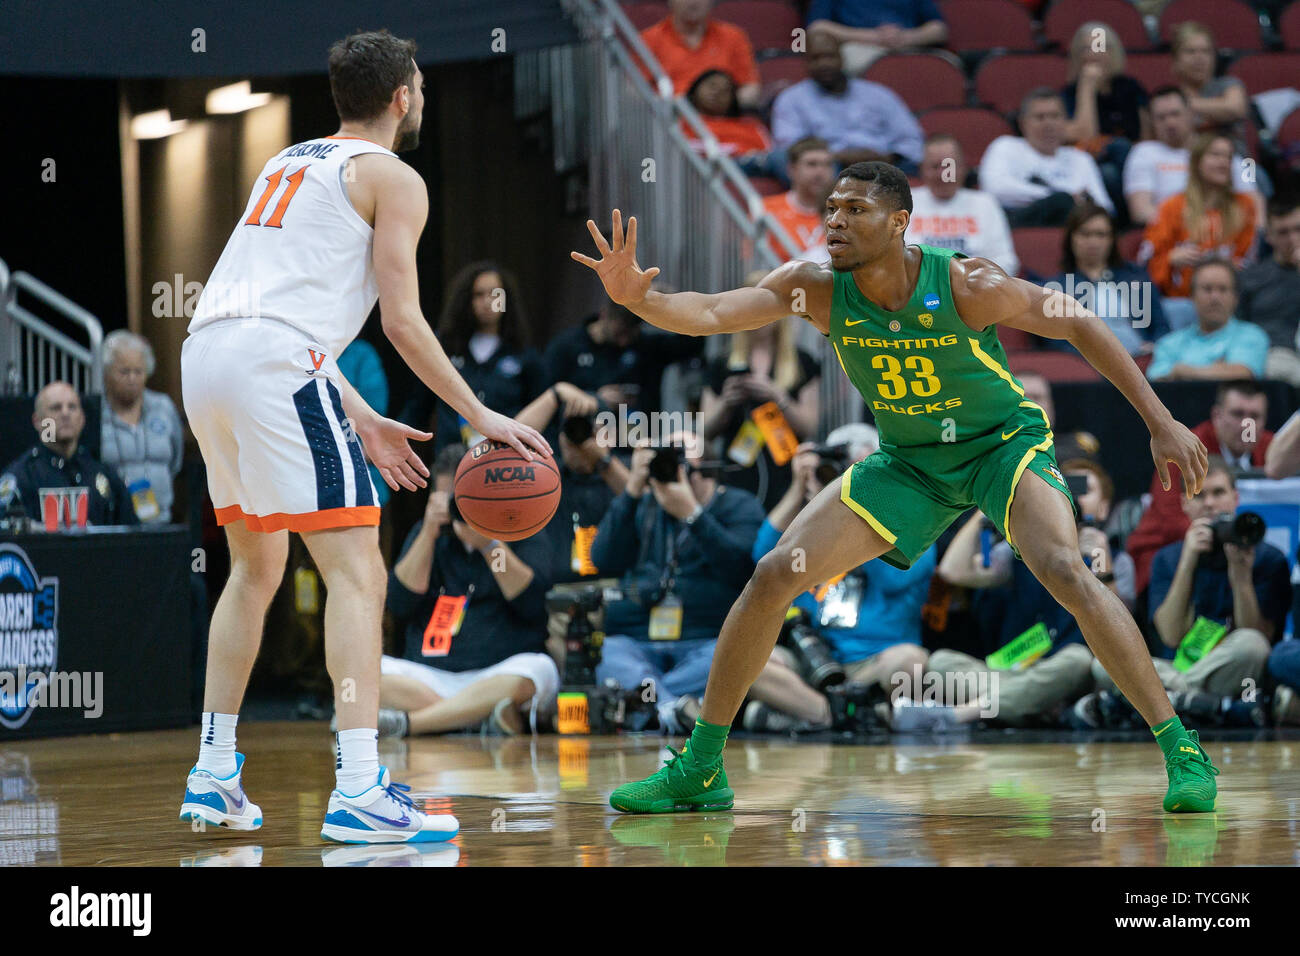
802 210
1036 177
1043 662
945 213
1219 103
1156 169
1282 457
363 369
683 554
1121 294
59 460
1039 391
760 400
744 138
870 617
472 614
140 435
1235 431
1107 109
1200 586
590 475
617 357
689 42
1218 346
484 331
1284 666
868 29
860 120
1206 221
1270 291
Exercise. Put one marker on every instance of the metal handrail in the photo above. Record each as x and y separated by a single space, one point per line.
33 352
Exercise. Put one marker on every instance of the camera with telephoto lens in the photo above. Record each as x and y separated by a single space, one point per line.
1245 530
664 465
582 640
578 428
816 664
833 459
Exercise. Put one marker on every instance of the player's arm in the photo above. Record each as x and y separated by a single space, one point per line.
401 208
985 295
798 288
386 442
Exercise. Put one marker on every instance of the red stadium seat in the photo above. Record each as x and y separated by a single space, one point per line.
1234 24
923 80
1128 244
1267 71
1039 249
1288 27
1053 366
976 25
1002 81
973 128
1152 70
1016 340
644 14
779 72
1288 138
769 23
1064 17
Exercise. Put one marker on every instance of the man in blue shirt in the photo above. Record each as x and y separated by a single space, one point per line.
1238 597
860 120
870 618
1218 346
871 28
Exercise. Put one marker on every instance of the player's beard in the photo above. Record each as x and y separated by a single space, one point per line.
408 136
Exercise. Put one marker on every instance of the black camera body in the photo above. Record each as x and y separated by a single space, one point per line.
1245 530
817 665
833 460
578 428
664 464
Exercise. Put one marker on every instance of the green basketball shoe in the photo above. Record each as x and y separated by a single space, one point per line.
679 785
1191 777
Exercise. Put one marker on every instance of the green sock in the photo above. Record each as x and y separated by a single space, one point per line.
707 741
1169 733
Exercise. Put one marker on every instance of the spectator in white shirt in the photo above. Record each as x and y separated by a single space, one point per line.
944 213
1035 177
1157 168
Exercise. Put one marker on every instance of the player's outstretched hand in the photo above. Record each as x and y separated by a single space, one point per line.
1176 443
522 438
624 281
387 445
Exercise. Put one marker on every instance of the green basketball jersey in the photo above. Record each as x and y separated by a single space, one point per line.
926 376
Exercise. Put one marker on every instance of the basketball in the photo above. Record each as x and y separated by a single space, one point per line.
503 495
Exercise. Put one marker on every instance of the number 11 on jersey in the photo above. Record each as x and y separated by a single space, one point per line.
272 184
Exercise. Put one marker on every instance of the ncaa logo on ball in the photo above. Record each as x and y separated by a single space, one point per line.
509 473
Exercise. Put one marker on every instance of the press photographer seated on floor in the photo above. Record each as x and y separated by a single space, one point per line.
1219 600
471 612
850 635
57 483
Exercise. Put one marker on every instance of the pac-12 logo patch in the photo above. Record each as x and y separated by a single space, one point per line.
29 634
932 300
926 319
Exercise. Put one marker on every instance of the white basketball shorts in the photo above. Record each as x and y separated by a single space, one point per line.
264 403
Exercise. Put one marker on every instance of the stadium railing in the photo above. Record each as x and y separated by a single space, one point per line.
33 352
700 219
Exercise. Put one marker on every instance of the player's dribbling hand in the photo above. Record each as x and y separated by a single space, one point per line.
1176 443
624 280
387 445
522 438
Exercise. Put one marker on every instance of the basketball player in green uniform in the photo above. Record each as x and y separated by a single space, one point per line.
913 327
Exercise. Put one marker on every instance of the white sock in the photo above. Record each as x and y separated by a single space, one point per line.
217 744
356 768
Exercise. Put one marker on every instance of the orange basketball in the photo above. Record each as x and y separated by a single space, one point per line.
503 495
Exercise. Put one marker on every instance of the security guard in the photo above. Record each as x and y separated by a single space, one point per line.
59 461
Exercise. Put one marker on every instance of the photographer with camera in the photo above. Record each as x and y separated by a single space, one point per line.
846 637
472 616
1220 598
681 544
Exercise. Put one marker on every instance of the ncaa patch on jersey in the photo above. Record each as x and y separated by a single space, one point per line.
932 300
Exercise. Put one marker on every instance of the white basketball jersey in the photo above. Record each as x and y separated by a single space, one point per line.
300 253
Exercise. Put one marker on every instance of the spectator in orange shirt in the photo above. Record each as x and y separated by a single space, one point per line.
744 138
801 211
1207 221
688 42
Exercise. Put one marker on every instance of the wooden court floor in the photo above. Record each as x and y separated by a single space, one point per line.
113 801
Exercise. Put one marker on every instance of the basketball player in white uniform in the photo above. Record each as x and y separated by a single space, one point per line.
331 226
